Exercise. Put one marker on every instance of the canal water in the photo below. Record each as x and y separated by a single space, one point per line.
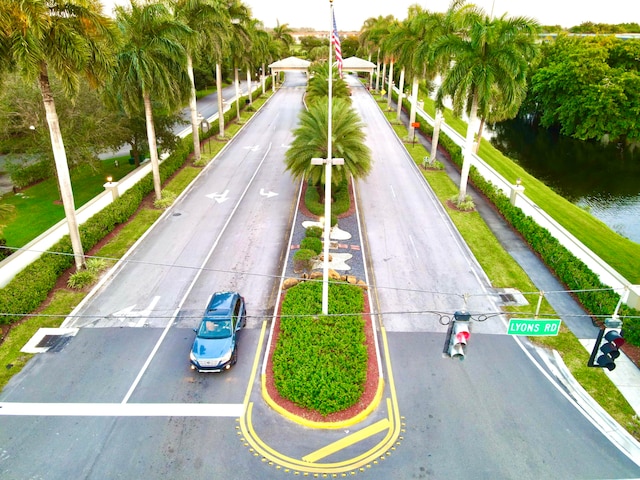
602 179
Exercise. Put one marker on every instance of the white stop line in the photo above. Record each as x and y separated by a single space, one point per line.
123 409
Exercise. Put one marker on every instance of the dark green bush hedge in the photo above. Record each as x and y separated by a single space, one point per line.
320 362
314 232
25 175
312 243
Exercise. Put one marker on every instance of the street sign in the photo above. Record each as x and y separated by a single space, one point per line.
534 327
415 124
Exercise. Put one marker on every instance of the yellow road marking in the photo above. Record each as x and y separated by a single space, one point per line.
347 441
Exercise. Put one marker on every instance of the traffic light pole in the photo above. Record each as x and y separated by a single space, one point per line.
594 352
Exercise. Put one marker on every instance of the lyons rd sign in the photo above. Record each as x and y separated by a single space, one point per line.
533 327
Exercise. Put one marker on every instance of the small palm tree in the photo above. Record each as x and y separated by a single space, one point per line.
348 142
486 53
67 39
282 35
318 86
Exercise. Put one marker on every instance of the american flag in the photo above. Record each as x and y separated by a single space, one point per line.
335 40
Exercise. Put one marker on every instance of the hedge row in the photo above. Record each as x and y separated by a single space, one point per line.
320 362
25 175
599 300
30 287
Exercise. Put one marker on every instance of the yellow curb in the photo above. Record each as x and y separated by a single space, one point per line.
322 425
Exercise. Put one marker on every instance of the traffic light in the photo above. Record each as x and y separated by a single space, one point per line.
610 350
459 335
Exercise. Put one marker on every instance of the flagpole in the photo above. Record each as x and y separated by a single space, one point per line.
327 176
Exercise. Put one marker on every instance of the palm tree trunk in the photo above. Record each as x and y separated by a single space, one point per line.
414 106
479 136
400 94
249 86
193 107
62 167
384 72
153 147
378 71
220 105
436 135
236 79
262 78
390 85
468 148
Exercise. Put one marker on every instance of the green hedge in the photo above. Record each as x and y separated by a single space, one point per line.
320 362
570 270
25 175
312 243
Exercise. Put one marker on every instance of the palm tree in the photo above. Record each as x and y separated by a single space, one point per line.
282 35
151 65
373 31
348 142
208 19
318 86
486 54
239 43
429 27
67 39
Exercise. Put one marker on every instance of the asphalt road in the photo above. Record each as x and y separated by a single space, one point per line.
119 400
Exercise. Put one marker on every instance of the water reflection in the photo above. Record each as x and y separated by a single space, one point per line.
604 179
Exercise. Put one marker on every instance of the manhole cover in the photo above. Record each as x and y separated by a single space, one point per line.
177 214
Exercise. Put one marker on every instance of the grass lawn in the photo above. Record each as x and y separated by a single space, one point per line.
37 208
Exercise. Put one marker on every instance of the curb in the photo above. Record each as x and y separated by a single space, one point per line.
604 422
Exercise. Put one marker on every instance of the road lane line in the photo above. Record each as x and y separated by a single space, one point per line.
122 409
193 282
347 441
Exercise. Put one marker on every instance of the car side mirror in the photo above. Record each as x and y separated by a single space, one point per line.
195 330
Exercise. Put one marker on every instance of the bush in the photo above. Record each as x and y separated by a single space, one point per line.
312 243
341 201
303 260
320 362
23 175
166 200
81 279
314 232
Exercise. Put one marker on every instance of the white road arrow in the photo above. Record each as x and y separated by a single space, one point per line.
268 194
141 315
219 197
253 148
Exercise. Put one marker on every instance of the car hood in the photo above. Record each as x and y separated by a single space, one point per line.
212 347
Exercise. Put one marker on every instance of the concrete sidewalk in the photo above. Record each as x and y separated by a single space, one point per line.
626 376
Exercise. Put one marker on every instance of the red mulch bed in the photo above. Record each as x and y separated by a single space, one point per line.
371 384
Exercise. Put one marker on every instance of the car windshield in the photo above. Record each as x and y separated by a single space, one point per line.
215 329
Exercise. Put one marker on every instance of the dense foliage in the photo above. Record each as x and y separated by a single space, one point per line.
320 362
588 87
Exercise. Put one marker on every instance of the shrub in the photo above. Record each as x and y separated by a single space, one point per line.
314 232
312 243
23 175
166 200
303 260
320 362
81 279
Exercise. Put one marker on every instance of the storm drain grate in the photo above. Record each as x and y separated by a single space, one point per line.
510 297
53 343
507 298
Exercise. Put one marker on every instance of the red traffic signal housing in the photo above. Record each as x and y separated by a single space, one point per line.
460 335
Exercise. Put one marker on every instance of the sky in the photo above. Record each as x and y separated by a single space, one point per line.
351 14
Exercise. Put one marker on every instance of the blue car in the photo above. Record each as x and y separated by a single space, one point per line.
215 347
